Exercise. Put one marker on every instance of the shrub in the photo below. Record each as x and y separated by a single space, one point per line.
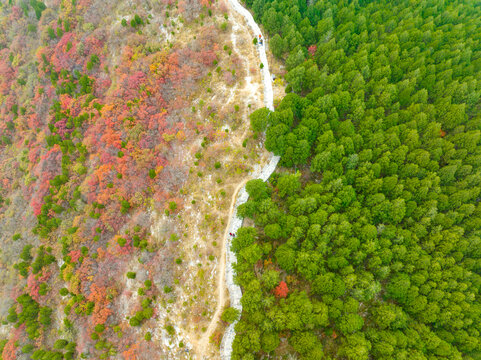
44 315
12 315
170 329
51 33
22 268
136 241
134 321
72 230
230 315
60 344
138 20
25 254
42 289
125 206
146 303
27 348
148 313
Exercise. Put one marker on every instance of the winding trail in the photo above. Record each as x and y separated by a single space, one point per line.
204 341
240 196
235 223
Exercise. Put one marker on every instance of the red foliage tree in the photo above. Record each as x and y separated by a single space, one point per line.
74 255
98 294
16 13
281 290
63 58
33 287
6 72
10 349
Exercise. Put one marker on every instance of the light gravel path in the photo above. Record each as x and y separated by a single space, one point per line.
266 75
239 196
235 223
203 343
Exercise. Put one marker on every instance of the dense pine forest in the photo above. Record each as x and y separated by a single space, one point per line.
366 243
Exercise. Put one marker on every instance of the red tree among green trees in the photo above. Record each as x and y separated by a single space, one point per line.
281 290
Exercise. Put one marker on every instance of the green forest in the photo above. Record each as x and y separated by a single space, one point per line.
365 244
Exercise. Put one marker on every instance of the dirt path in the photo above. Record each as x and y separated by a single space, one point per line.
203 343
264 173
252 90
266 75
225 275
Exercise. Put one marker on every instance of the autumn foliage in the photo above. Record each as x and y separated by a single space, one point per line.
281 290
89 129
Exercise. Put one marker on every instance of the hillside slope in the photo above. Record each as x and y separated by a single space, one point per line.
122 138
